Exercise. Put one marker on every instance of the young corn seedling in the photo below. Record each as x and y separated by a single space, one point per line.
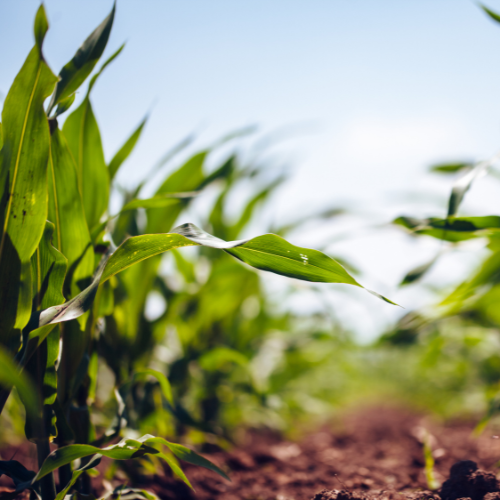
63 262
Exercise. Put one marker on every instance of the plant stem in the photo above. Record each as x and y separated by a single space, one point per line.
47 483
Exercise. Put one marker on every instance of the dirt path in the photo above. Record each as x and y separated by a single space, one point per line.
370 454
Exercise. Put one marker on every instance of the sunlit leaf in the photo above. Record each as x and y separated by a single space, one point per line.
23 181
74 73
124 152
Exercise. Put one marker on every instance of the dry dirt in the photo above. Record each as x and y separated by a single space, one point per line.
370 454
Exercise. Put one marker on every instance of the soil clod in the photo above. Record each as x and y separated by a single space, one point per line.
467 481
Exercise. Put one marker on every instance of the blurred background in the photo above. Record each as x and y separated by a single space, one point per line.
352 102
358 98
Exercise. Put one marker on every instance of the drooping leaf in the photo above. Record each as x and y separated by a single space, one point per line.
74 73
140 248
268 253
23 181
93 462
125 450
72 309
162 380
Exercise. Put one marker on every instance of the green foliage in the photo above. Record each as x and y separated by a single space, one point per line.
75 283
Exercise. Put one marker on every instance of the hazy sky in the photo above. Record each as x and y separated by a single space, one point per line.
383 88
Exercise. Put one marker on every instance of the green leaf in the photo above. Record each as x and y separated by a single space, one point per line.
64 105
186 454
93 462
418 272
84 139
106 63
453 229
125 450
162 380
268 253
72 309
124 152
23 181
249 209
187 178
140 248
49 269
216 358
66 210
74 73
159 201
493 15
450 168
463 184
11 376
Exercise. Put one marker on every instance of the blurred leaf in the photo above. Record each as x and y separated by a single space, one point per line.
106 63
64 105
462 185
16 471
418 272
453 229
493 15
162 380
159 201
11 376
450 168
250 207
23 181
124 152
93 462
215 358
74 73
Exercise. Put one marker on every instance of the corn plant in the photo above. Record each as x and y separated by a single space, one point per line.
74 279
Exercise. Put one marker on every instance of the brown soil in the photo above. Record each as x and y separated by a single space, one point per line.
371 454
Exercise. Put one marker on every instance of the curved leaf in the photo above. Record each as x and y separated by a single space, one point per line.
125 450
162 380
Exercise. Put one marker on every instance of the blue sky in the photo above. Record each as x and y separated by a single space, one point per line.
380 89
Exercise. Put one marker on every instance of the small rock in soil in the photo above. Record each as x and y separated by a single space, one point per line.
467 481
